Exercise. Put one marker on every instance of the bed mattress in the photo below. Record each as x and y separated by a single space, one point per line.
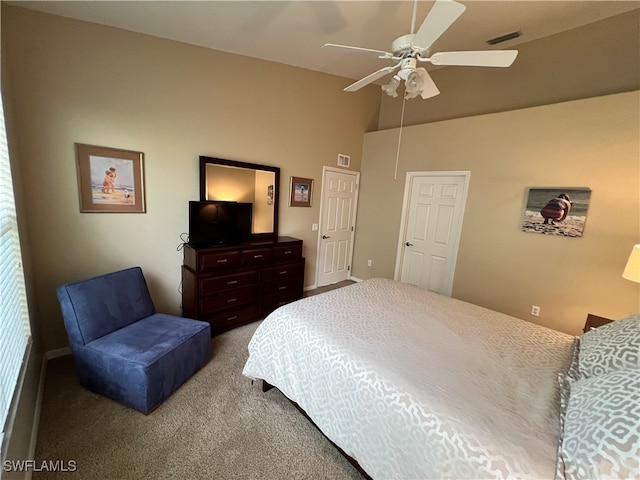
413 384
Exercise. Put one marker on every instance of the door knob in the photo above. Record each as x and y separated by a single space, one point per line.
325 236
409 244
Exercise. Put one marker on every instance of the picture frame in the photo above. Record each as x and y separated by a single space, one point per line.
556 211
110 180
301 192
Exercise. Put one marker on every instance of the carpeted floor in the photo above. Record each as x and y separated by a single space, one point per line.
216 426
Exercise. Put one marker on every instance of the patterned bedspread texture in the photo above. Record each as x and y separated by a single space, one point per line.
413 384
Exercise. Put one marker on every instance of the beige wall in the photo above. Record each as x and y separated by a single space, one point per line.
586 143
73 81
589 61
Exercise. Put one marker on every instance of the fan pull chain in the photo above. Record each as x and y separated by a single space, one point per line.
395 174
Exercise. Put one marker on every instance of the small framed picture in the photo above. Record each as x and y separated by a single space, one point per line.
301 192
110 180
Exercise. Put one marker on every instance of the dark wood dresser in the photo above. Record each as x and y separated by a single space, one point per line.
235 285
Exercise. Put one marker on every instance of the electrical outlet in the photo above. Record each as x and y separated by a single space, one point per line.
535 310
369 263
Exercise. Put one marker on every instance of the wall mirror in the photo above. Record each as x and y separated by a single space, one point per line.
229 180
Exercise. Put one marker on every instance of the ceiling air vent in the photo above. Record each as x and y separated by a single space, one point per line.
504 38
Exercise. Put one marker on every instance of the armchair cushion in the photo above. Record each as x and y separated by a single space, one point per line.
100 305
141 364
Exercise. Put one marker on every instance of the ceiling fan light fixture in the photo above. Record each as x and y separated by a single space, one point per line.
391 88
415 47
414 84
414 81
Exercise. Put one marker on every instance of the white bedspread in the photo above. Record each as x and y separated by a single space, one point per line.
414 385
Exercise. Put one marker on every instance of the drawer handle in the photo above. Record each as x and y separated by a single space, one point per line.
232 282
231 300
283 272
282 288
232 318
257 256
288 252
223 260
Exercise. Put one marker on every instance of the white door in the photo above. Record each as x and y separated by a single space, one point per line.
337 221
432 221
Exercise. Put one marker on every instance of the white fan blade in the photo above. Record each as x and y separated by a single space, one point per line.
489 58
429 88
442 15
377 53
370 78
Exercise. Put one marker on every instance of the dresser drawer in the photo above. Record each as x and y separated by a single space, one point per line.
256 256
287 251
269 304
232 317
291 284
216 260
284 270
212 285
228 299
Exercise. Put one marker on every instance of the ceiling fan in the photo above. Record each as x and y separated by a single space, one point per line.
411 49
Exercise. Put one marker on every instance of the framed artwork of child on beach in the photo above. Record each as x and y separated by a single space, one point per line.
110 180
556 211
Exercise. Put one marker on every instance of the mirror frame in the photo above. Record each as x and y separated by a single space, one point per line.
204 161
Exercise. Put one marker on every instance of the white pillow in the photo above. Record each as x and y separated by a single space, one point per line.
601 437
613 346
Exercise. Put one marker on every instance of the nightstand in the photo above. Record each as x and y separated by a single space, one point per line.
594 321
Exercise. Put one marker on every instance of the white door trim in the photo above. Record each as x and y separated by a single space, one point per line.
326 169
405 211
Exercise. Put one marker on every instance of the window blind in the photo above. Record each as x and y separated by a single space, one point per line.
14 315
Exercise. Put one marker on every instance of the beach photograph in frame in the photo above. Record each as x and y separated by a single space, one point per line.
301 192
110 180
556 211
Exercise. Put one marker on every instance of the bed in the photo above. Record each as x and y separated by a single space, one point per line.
412 384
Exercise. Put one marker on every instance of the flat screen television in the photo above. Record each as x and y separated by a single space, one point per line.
217 223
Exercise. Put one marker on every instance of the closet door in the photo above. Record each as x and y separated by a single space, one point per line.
434 207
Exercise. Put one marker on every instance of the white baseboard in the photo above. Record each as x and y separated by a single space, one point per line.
36 415
315 285
48 355
58 352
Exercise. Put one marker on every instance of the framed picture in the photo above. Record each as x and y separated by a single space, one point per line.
301 192
556 211
270 195
110 180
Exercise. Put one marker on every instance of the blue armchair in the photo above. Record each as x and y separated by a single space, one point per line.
122 348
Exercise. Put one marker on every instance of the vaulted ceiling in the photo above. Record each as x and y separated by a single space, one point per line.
292 32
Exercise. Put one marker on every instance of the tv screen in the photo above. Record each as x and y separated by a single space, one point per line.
214 223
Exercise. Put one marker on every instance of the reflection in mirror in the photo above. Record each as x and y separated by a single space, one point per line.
243 182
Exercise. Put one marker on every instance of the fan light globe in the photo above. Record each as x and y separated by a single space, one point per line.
414 82
391 88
